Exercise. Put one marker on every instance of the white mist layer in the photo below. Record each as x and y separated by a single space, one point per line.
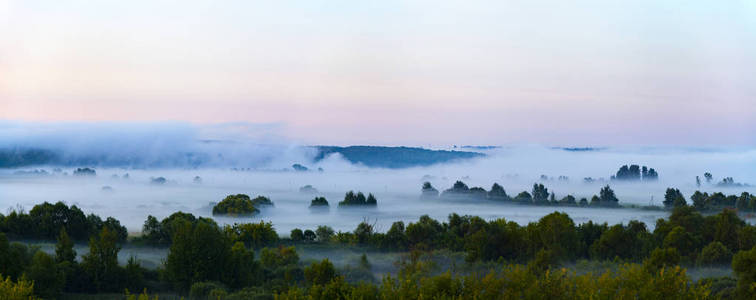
515 168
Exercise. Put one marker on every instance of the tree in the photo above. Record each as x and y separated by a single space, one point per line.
715 253
253 235
497 192
708 177
196 254
428 191
540 194
607 197
64 250
673 198
371 200
661 258
395 237
101 263
324 233
48 280
296 235
363 233
556 232
698 181
681 240
134 280
744 266
319 202
320 273
309 236
236 205
699 200
242 267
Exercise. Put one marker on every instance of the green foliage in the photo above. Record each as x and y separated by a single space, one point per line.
46 220
235 206
198 253
661 258
202 290
296 235
715 253
20 290
744 266
540 194
64 248
48 279
673 198
607 197
319 202
134 275
278 257
324 233
161 233
359 199
320 273
253 235
242 270
101 263
498 193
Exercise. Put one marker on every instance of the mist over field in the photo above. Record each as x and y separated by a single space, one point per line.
254 168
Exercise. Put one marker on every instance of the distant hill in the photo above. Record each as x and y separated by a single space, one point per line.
394 157
371 156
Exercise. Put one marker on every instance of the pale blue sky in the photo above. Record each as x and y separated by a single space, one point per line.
392 72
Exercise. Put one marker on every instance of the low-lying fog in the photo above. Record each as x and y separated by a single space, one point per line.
132 199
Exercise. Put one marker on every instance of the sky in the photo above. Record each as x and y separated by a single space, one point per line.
391 72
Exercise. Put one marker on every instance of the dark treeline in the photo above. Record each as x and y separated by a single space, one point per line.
358 199
636 173
539 195
706 202
207 260
45 221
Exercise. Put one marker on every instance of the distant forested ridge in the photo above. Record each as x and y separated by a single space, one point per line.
394 157
19 157
371 156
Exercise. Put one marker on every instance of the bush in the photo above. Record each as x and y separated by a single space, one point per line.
203 290
20 290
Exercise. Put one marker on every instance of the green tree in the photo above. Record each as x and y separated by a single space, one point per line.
101 263
134 275
673 198
744 266
64 250
715 253
662 258
296 235
556 232
324 233
242 267
48 279
320 273
196 254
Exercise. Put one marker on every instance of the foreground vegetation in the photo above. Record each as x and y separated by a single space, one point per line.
251 260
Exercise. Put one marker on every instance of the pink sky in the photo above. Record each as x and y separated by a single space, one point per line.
342 72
